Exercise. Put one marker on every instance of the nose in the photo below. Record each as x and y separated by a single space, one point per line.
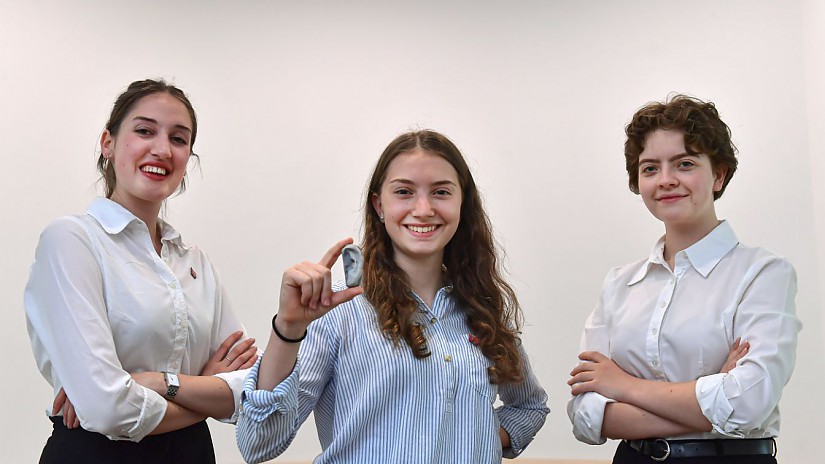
423 208
667 178
161 147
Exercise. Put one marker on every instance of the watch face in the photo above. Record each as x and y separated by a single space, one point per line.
172 379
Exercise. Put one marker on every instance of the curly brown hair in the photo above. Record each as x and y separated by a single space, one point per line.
490 306
123 104
705 133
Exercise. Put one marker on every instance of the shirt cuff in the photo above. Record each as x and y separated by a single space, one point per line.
586 412
714 403
259 404
151 414
235 381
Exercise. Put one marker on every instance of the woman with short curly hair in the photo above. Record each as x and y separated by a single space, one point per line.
687 352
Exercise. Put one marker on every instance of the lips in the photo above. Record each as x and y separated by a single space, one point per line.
670 198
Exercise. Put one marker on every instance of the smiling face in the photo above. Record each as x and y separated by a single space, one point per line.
150 151
420 201
678 187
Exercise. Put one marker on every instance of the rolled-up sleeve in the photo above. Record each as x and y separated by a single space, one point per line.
524 410
268 419
742 399
586 411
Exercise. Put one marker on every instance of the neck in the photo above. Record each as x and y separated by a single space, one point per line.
425 275
678 238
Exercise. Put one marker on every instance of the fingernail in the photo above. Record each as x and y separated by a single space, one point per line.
327 302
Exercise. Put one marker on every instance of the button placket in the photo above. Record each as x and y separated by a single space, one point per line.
655 328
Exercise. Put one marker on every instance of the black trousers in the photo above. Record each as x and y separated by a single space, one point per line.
190 445
627 455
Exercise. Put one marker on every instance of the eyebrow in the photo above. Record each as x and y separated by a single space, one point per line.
672 158
144 118
409 182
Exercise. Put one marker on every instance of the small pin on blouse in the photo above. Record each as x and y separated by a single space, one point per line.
474 340
193 273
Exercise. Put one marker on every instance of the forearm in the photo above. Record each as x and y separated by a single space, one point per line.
177 417
202 394
206 395
674 401
626 421
280 357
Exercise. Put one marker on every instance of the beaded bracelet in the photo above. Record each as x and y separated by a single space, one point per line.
281 336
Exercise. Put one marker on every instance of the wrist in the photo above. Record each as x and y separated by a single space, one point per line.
170 383
289 332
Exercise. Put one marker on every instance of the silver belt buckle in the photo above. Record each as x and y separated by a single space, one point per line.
667 450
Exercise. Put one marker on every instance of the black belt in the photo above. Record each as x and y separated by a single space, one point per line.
659 449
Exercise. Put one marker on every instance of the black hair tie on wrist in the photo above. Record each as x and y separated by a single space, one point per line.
281 336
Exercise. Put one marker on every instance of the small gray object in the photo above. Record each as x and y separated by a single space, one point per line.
353 265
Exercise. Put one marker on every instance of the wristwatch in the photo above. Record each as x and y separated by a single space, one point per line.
172 383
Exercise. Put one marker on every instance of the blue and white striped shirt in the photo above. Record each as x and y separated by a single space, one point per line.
377 403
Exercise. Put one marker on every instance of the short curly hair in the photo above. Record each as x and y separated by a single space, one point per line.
705 133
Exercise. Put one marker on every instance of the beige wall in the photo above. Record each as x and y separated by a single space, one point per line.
297 99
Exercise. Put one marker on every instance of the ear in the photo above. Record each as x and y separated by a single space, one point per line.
719 177
107 144
376 204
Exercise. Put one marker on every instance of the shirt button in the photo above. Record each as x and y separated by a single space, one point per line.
434 320
448 358
654 363
172 286
663 304
654 331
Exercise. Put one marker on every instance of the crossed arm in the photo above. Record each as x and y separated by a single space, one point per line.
644 408
199 396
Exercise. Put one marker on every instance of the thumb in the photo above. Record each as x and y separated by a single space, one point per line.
345 295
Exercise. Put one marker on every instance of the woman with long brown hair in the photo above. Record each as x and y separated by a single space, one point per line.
408 370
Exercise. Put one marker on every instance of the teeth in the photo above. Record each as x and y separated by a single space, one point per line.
154 170
422 230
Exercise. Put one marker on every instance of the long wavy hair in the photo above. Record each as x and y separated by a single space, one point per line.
490 306
705 133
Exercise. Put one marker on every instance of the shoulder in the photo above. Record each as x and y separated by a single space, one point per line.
65 230
758 260
622 275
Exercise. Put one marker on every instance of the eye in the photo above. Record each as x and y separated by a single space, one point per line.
647 169
686 164
180 140
442 193
143 131
403 191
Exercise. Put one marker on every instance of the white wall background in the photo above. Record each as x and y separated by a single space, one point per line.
297 99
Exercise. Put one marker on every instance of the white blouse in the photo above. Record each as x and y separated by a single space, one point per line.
100 303
679 325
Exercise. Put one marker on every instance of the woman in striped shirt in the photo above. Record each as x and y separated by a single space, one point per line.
409 370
